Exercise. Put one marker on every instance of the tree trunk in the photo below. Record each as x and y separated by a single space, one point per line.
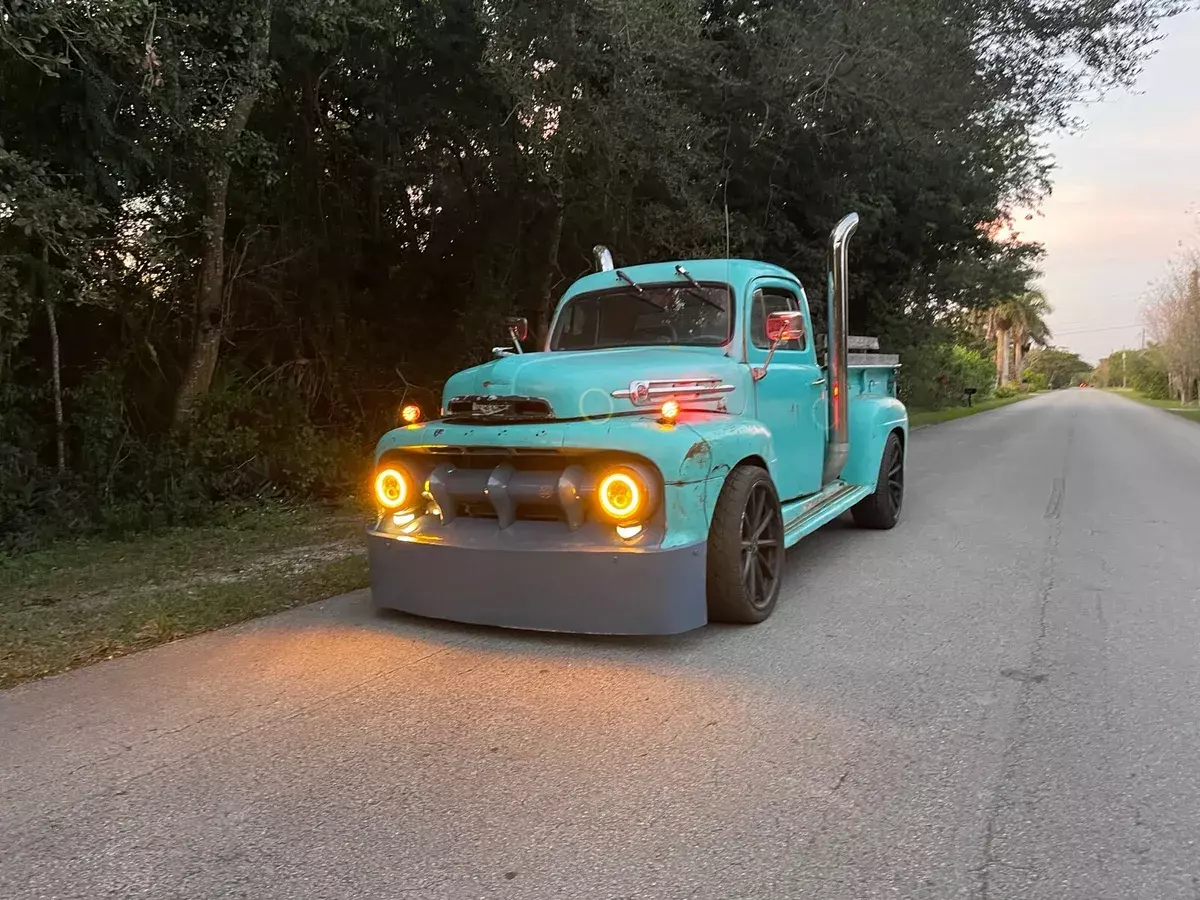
1001 356
546 300
210 292
1019 358
60 431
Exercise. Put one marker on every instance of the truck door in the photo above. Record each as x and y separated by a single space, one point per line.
791 399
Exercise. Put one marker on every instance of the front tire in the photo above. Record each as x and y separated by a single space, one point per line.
745 549
881 510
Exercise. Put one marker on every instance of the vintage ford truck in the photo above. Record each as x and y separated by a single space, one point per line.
645 470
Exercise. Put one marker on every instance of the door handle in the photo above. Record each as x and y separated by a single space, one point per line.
818 382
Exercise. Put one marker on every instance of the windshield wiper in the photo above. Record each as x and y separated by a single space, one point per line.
633 284
696 290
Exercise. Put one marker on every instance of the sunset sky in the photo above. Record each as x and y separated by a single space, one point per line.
1126 200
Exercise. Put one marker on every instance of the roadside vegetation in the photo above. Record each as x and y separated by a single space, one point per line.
1166 371
921 418
81 601
236 238
1189 411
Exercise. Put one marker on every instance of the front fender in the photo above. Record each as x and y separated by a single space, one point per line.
872 419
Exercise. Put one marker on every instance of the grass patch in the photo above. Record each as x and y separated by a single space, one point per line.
79 602
921 417
1171 406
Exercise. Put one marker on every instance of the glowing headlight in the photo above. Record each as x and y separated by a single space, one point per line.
624 496
410 414
392 489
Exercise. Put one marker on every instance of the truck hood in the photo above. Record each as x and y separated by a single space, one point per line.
580 384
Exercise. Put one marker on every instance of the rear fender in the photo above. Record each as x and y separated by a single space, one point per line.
871 421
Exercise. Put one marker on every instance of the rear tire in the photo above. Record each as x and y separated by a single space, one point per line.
745 549
881 510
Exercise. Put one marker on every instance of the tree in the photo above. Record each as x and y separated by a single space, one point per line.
297 212
1061 368
1173 316
1015 323
1029 326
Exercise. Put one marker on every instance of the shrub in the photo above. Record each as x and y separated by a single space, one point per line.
1005 391
246 446
1036 381
933 376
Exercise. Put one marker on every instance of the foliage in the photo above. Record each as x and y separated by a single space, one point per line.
1059 368
934 376
1174 318
1145 371
1035 381
254 226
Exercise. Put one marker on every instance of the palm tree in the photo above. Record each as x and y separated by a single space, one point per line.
998 328
1018 322
1029 326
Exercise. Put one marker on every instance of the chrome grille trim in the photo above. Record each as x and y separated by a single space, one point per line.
647 393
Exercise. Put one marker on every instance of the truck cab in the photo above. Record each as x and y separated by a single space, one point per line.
644 470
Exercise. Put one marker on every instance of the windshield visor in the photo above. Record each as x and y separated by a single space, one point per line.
673 314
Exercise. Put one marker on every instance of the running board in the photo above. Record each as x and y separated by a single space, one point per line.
804 516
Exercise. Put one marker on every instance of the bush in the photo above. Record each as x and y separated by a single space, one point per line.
1036 381
246 446
934 375
1006 391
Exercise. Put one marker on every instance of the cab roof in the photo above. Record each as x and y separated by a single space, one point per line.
735 272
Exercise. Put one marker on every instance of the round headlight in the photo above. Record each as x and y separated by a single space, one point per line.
392 489
623 495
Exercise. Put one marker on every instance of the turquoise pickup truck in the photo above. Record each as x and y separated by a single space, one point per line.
645 470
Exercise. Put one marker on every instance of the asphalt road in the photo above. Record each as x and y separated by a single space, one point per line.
998 700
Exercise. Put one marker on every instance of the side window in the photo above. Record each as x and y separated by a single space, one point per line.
767 301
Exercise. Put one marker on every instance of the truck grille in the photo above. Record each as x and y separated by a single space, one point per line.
509 494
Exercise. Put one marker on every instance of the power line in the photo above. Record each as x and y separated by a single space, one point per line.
1092 330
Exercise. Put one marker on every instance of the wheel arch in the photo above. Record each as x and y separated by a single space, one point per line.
872 422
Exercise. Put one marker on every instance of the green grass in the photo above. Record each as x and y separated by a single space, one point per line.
79 602
1171 406
919 418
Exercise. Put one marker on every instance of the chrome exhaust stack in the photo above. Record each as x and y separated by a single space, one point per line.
837 446
603 257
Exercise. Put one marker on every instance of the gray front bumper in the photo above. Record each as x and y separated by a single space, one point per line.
569 590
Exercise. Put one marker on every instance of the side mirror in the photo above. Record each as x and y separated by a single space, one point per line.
782 326
785 326
517 327
518 330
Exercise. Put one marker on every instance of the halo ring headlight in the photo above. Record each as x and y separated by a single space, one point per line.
626 494
620 496
392 488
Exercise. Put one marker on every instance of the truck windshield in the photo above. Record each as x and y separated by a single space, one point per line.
696 315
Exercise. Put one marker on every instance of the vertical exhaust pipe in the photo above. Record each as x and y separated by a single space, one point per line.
837 447
603 257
